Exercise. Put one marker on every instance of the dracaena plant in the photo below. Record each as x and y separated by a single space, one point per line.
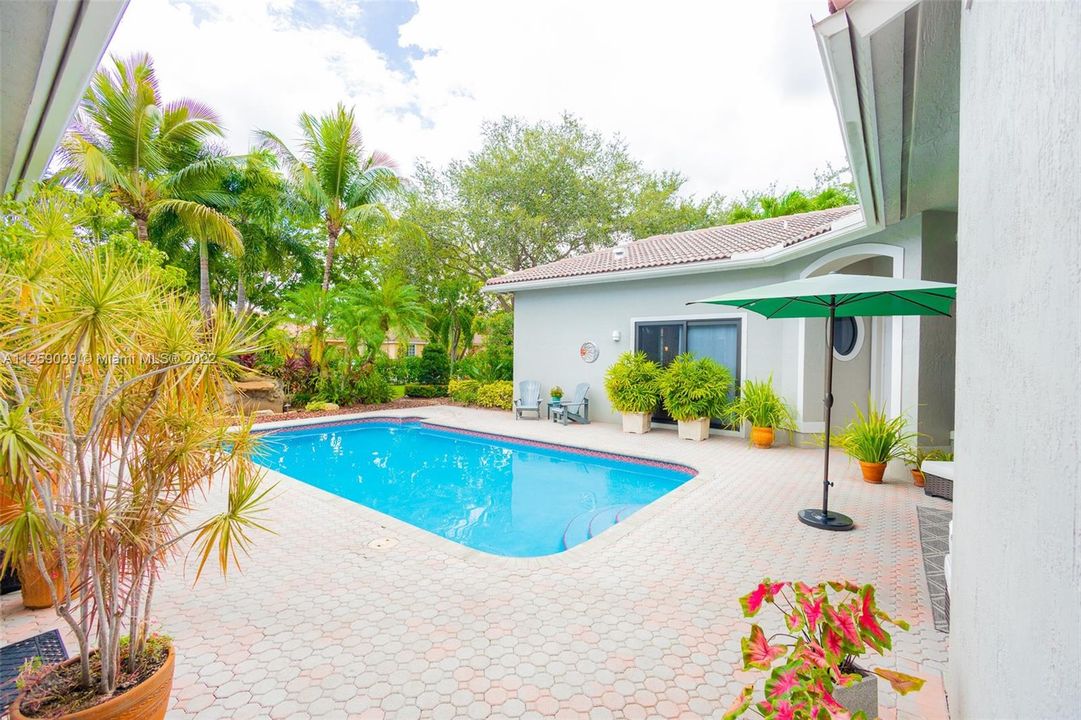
823 636
111 427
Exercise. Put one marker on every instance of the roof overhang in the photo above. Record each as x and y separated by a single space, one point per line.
846 229
892 67
48 51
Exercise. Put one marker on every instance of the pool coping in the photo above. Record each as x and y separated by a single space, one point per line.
591 547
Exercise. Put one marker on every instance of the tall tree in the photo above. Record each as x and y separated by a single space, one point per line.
336 177
390 306
274 244
154 158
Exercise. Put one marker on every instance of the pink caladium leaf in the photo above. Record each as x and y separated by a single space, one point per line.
813 655
833 645
741 704
901 682
794 620
783 710
812 611
782 681
757 652
873 633
752 602
839 585
846 624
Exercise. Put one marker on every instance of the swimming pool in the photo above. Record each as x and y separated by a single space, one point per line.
491 493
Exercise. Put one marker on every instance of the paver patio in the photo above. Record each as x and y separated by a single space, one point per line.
642 621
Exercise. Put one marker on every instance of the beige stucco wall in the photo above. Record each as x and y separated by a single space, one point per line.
1015 639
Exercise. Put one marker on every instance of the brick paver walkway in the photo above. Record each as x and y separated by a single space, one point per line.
642 621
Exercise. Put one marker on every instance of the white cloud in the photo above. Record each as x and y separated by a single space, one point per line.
732 94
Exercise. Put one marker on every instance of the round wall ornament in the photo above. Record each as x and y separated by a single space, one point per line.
589 351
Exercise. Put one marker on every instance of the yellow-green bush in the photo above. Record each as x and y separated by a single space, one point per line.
463 391
498 394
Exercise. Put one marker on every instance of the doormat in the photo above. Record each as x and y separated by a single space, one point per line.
48 646
935 541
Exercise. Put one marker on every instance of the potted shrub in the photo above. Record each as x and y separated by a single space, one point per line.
874 439
112 422
556 393
633 389
815 673
760 405
695 390
915 456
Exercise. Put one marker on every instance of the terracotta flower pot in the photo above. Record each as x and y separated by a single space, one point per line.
873 472
762 437
36 593
917 477
146 701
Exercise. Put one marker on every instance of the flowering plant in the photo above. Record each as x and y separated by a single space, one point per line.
827 635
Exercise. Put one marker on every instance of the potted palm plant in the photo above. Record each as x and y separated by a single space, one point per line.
112 422
760 405
633 390
695 390
874 439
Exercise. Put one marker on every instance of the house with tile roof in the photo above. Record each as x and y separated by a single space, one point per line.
634 297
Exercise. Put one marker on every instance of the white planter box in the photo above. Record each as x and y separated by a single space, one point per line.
636 422
696 430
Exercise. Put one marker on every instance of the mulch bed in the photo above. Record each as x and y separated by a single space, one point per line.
392 405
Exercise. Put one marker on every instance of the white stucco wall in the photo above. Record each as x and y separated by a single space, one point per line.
1015 641
552 323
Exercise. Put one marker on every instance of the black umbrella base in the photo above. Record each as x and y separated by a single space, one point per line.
825 521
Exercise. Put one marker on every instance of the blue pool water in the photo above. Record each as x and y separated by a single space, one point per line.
492 494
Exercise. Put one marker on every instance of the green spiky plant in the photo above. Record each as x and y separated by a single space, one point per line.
874 437
111 427
632 383
694 388
760 405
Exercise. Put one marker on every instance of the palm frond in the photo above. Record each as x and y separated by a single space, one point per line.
202 222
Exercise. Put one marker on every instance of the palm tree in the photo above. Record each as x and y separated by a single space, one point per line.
311 308
391 306
271 240
336 177
153 158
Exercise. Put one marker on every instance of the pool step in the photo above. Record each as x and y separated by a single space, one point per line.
593 522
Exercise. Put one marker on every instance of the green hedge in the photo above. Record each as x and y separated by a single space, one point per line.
425 391
499 394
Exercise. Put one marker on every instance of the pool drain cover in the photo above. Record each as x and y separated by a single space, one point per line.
384 543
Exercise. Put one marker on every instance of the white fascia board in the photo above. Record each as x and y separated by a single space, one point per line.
844 230
78 36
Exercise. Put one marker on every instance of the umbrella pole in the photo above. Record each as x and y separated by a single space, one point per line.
824 519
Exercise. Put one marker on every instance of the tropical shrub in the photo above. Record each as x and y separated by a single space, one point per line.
434 366
760 405
113 424
632 383
874 437
499 394
425 391
827 635
342 386
486 366
463 391
694 388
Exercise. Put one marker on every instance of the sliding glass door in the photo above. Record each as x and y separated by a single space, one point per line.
661 341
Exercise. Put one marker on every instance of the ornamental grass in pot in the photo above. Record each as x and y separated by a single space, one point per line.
695 390
813 673
760 405
874 439
111 425
632 386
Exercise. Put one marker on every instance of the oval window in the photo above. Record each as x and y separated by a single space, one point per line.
845 337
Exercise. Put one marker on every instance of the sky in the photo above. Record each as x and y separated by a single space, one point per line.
729 92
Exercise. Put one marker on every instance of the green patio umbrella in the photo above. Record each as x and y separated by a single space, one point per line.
833 296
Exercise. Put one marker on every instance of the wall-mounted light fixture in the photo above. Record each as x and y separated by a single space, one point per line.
616 336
